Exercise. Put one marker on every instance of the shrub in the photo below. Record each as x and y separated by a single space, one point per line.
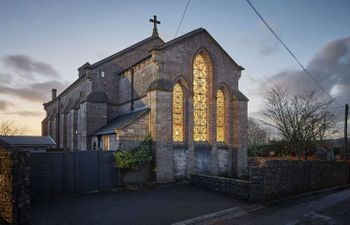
136 157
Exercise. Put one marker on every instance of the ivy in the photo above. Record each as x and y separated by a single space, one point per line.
136 157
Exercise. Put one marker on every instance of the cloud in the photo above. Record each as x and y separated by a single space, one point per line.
4 105
330 67
36 92
26 67
27 113
5 78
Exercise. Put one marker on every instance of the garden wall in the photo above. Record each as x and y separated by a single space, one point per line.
229 186
279 178
14 185
275 179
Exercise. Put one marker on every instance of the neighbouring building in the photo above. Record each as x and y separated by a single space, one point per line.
183 92
30 143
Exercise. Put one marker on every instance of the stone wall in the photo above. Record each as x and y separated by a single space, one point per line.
232 187
14 185
279 178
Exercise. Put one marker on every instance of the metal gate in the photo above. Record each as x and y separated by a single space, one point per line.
63 173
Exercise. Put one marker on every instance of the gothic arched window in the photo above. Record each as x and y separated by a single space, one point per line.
220 116
178 113
200 98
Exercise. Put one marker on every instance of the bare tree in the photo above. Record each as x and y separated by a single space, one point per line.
256 134
9 127
302 120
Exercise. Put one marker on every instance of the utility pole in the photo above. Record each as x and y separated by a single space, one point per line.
346 131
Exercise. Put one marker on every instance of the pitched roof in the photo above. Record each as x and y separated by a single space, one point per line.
240 96
121 121
128 49
28 140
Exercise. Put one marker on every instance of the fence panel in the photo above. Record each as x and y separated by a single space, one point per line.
54 174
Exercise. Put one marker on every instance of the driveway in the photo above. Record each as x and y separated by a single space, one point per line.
149 207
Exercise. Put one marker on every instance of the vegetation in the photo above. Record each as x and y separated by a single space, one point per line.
302 120
9 127
136 157
257 136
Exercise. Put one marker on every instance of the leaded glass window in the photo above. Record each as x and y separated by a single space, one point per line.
178 113
200 99
220 116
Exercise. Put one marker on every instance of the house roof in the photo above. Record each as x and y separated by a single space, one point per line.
28 140
121 121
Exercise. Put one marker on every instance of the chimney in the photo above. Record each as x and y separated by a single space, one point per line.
54 93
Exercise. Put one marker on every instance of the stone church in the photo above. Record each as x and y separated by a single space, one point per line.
183 92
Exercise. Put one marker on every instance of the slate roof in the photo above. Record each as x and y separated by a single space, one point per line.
121 121
28 140
240 96
126 50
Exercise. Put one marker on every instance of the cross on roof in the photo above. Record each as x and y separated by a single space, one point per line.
155 22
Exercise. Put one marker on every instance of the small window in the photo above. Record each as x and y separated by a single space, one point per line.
102 73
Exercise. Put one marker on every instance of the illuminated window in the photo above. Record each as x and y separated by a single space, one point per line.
178 113
105 143
200 98
220 116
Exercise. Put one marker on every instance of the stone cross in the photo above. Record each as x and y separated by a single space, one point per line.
155 22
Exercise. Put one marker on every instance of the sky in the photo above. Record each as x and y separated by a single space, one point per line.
43 42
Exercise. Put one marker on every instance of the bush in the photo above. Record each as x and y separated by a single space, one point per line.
136 157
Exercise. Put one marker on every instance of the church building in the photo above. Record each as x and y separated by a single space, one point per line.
183 92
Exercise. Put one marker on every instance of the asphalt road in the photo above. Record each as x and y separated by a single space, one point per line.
150 207
318 209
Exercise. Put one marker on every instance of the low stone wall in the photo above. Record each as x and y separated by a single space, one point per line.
279 178
14 185
232 187
276 179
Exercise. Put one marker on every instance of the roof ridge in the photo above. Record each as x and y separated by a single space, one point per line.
175 40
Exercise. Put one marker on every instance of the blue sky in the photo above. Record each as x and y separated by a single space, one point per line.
57 37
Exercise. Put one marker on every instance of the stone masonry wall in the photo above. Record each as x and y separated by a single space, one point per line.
232 187
132 135
14 185
280 178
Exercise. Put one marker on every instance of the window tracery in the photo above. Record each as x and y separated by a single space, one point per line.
200 98
220 116
178 113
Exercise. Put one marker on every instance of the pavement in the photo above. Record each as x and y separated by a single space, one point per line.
324 208
148 207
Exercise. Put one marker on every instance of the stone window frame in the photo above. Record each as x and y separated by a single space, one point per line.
186 93
227 114
210 81
183 113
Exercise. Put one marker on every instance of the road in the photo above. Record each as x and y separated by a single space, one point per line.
318 209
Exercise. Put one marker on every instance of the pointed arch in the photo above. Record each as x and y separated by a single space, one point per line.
220 116
178 113
202 69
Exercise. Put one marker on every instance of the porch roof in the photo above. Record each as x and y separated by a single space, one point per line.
121 121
